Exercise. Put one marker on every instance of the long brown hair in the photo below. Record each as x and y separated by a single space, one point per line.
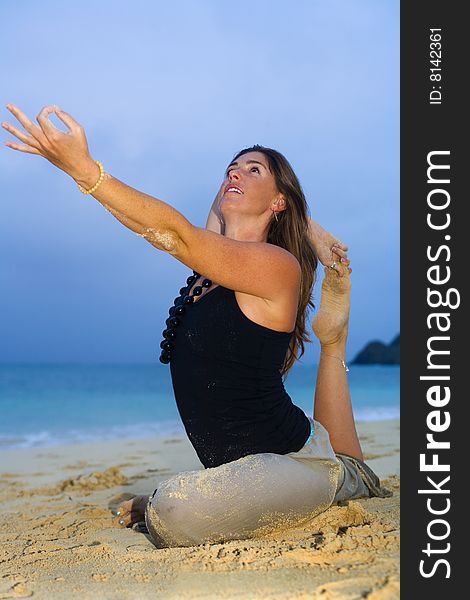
290 231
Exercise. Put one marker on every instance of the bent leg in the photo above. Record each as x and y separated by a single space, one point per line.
246 498
333 408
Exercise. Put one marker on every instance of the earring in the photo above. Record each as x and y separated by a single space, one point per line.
275 216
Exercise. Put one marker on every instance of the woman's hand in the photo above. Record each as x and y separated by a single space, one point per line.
325 244
67 151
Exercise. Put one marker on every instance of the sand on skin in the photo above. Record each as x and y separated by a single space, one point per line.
58 537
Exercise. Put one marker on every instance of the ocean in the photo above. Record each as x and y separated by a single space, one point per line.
52 405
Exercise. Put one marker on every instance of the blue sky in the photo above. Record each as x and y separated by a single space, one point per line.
167 94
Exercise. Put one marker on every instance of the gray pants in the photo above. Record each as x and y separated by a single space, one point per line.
254 495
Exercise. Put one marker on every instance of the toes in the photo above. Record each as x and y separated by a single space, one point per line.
131 511
123 521
123 514
343 267
339 268
345 270
338 277
332 273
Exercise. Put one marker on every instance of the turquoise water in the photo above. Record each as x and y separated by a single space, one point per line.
51 405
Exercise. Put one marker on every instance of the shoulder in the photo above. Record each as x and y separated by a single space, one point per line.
288 257
258 268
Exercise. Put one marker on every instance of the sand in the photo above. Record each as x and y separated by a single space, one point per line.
59 539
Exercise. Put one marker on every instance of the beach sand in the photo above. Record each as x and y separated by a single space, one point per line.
58 537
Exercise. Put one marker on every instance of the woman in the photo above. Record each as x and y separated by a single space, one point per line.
267 465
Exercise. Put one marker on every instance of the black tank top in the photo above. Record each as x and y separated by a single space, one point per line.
227 384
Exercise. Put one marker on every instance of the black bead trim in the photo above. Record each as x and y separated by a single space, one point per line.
176 311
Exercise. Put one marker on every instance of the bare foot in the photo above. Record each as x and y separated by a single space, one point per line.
330 324
132 511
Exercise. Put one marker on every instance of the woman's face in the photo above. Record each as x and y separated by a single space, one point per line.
248 187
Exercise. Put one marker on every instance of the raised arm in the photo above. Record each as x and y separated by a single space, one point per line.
256 268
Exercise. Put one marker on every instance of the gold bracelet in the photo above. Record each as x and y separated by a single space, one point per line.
91 190
338 358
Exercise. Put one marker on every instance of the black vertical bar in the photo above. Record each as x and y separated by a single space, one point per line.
433 120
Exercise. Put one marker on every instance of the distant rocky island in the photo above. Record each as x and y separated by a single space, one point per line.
378 353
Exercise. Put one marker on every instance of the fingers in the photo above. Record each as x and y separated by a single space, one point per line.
49 129
68 120
339 251
340 264
341 246
22 148
28 139
30 127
